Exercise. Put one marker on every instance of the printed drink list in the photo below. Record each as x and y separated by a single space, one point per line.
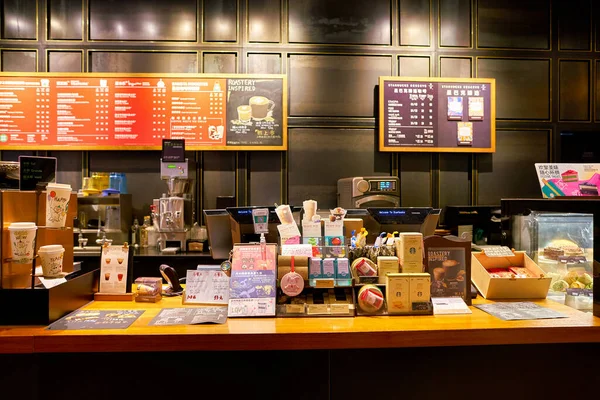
89 111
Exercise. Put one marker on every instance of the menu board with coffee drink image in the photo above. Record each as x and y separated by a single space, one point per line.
255 112
449 264
114 267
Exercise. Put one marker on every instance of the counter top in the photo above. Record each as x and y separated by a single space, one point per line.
478 328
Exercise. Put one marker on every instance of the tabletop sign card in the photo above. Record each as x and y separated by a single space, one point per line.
206 286
497 251
103 111
113 269
448 261
437 114
34 170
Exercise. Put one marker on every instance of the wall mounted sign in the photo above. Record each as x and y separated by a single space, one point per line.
34 170
94 111
437 115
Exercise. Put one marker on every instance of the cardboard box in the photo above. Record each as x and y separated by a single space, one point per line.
397 292
387 265
508 288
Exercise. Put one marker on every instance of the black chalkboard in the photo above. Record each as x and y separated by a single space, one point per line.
34 170
255 112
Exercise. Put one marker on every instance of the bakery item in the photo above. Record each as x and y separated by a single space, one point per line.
573 251
588 189
553 252
570 176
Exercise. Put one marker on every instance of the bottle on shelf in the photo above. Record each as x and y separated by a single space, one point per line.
135 234
144 231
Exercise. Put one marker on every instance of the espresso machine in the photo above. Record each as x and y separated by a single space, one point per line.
172 215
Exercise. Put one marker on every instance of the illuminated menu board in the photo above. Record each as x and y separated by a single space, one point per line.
45 111
437 115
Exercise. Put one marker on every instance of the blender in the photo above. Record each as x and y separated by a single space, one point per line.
173 211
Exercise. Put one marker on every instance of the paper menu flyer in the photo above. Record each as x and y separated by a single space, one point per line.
113 269
206 287
568 179
449 306
519 311
250 257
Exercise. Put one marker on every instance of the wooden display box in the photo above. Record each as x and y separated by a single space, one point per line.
40 306
508 288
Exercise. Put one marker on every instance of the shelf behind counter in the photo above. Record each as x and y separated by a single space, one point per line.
146 261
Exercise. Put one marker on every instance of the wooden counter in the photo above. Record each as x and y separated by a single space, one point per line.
476 329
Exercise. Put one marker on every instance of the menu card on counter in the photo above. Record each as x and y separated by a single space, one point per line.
511 311
104 111
253 283
113 269
437 114
97 319
190 316
206 286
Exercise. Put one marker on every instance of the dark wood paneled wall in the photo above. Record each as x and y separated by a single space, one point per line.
544 55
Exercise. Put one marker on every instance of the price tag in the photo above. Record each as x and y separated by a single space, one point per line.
50 283
324 283
340 308
294 308
318 309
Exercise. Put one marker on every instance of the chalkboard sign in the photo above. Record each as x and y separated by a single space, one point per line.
119 111
255 112
34 170
437 115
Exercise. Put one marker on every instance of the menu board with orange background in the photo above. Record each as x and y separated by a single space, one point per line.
125 111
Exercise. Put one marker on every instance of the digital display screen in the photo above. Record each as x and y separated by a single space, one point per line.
173 150
385 186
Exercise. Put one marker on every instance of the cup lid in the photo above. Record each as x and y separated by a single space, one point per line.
22 225
50 248
59 186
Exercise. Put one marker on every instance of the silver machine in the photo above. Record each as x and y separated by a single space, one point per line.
368 191
173 211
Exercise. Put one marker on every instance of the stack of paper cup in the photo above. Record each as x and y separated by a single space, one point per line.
22 239
51 257
284 212
310 209
57 204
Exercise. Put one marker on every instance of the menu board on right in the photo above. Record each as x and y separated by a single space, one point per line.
437 114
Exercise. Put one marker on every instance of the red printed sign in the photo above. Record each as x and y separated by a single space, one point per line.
92 111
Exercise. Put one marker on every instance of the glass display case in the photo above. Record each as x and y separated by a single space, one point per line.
562 244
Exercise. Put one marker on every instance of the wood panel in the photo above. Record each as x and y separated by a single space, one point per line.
522 87
455 186
19 19
64 61
415 180
574 90
514 24
455 23
414 66
143 62
219 63
220 20
218 177
265 178
510 171
597 91
335 85
340 21
264 63
319 157
19 60
455 67
574 24
264 21
415 23
142 20
70 163
65 19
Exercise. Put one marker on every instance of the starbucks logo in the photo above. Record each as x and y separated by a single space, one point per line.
412 250
3 138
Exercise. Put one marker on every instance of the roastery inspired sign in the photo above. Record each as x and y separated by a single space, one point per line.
133 111
437 115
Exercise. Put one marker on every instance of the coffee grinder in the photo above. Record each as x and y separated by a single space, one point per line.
173 211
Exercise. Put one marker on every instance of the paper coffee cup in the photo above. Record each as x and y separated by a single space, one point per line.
57 204
284 212
310 209
22 239
51 258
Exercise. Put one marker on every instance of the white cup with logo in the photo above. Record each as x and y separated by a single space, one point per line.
51 258
58 196
22 239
